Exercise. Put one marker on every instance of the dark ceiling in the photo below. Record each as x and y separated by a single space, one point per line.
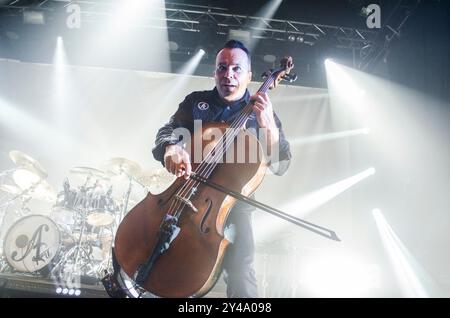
328 29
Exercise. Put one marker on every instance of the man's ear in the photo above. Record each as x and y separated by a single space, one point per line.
250 76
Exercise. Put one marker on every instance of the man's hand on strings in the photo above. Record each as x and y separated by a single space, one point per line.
262 107
263 110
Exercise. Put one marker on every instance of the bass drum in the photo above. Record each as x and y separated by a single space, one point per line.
31 243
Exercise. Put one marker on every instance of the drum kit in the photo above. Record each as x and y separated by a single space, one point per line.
78 234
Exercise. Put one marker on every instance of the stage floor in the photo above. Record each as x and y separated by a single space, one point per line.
20 285
26 286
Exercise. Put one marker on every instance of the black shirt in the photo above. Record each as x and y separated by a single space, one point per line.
209 107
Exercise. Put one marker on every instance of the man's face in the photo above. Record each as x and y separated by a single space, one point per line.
232 74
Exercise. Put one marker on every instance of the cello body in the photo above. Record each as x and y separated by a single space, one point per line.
192 264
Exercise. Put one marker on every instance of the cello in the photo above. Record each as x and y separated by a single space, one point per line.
172 244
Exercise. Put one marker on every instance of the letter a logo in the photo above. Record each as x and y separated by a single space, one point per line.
374 18
73 21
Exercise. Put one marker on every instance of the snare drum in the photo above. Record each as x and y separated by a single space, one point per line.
32 243
102 211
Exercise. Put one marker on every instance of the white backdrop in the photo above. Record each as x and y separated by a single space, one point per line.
82 116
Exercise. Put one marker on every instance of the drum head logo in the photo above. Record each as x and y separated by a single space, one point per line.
31 243
203 105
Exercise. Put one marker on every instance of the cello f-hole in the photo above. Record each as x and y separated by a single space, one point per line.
203 227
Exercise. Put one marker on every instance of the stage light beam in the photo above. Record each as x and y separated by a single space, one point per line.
257 27
411 276
60 84
191 65
339 274
330 136
267 226
30 127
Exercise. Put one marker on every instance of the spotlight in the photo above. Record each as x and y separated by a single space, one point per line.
77 292
58 290
241 35
328 61
300 39
71 291
200 50
173 46
33 17
365 11
376 211
12 35
269 58
291 38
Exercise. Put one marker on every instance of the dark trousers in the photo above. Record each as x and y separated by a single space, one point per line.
239 259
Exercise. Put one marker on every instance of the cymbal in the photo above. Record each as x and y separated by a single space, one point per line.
93 172
156 177
36 187
118 166
25 178
25 161
10 189
44 191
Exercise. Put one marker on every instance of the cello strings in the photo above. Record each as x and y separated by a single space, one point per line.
205 165
205 168
190 184
238 123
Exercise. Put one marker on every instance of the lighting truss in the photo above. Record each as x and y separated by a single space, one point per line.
190 18
392 27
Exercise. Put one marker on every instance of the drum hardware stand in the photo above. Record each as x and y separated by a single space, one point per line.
123 211
79 254
22 195
88 178
78 247
4 266
110 279
126 199
106 265
24 210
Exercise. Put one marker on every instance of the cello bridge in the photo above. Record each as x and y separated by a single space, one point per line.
187 202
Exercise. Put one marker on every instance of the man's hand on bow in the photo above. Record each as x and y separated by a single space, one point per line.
177 161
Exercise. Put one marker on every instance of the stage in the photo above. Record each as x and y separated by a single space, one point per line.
98 99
